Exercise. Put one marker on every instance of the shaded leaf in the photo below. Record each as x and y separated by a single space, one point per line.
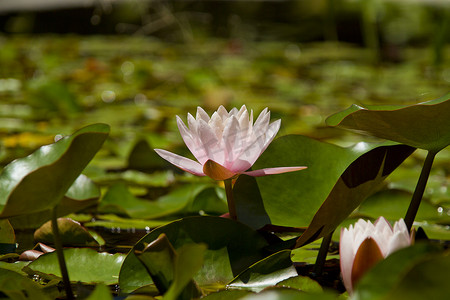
71 232
83 264
380 279
16 286
232 247
425 125
7 235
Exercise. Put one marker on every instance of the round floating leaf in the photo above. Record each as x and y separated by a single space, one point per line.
82 193
302 283
118 199
288 294
385 275
267 272
392 204
336 182
424 125
83 264
71 232
7 235
101 292
232 247
16 286
39 181
227 295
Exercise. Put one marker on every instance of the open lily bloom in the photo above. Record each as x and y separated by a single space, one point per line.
226 144
363 245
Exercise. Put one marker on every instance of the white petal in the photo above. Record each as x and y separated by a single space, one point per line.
201 114
222 111
347 256
251 153
181 162
271 133
272 171
233 112
216 123
231 140
190 142
210 143
192 123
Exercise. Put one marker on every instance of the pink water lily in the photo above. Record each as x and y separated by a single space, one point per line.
364 244
226 144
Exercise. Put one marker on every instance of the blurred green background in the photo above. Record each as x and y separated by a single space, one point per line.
136 64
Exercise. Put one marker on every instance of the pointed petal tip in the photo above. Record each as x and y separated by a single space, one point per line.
273 171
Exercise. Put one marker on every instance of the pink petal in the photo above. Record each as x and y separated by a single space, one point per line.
272 171
271 133
231 140
181 162
210 143
190 142
201 114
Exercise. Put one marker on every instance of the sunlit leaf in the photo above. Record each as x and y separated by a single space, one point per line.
39 181
336 182
83 264
425 125
267 272
101 292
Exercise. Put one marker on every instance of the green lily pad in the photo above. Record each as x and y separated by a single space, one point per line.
425 125
83 193
266 272
16 286
71 232
186 199
83 264
39 181
232 247
336 182
384 278
392 204
7 235
101 292
288 294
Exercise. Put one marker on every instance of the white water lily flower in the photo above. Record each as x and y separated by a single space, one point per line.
365 244
226 144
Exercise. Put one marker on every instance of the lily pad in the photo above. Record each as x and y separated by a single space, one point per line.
71 232
336 182
83 264
39 181
232 247
16 286
83 193
266 272
425 125
385 277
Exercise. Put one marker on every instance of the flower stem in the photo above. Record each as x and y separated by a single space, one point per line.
322 255
60 254
230 200
420 188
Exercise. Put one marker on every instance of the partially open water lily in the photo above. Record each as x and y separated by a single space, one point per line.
364 244
226 144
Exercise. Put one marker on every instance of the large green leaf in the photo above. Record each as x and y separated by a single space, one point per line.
83 264
39 181
361 179
189 198
392 274
16 286
266 272
424 125
336 181
82 193
71 232
232 247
